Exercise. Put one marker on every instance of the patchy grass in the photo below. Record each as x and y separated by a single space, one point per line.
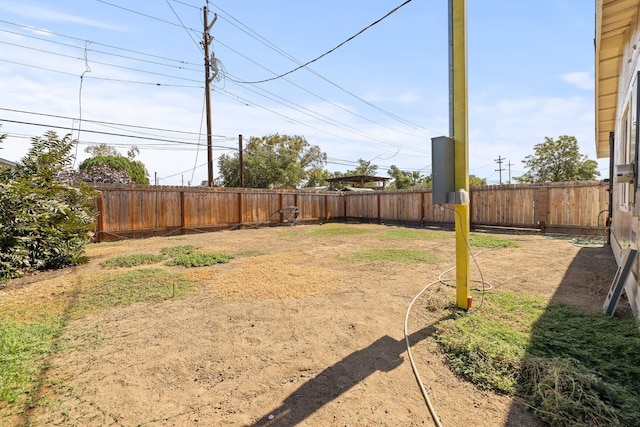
332 230
198 259
249 253
490 242
132 260
129 287
23 347
570 367
174 251
413 234
393 255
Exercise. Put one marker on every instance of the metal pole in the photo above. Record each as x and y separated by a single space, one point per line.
241 163
458 128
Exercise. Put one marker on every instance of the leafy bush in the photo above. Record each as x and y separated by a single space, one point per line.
44 223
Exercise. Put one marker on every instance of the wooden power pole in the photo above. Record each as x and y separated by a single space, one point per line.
206 41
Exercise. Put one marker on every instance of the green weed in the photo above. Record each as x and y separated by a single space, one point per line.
198 259
571 367
413 234
490 242
174 251
133 260
393 255
129 287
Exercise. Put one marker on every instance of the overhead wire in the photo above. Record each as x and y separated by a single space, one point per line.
272 46
330 50
27 27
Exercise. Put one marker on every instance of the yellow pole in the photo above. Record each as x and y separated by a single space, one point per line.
459 126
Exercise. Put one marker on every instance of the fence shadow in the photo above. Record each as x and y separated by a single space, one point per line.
382 355
584 287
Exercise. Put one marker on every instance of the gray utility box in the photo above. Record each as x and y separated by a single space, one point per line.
443 169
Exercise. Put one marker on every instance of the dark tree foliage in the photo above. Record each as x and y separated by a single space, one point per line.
44 222
274 161
134 168
558 161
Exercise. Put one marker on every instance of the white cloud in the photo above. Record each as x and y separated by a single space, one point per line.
580 79
49 15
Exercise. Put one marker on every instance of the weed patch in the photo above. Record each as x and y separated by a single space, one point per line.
174 251
571 368
411 234
393 255
490 242
197 259
132 260
129 287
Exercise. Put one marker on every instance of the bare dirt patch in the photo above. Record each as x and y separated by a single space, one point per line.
290 333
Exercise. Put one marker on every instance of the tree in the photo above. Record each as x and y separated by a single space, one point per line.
558 160
475 181
401 179
103 155
44 222
365 167
273 161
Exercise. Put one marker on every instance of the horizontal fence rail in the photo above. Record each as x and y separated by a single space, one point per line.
143 211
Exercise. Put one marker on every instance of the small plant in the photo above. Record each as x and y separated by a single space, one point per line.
198 259
570 367
393 255
412 234
133 260
129 287
331 230
174 251
490 242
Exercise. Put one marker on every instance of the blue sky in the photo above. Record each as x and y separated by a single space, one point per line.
380 97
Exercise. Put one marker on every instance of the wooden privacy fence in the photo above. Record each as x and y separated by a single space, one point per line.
141 211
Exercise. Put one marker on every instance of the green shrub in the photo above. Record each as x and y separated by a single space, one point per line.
44 223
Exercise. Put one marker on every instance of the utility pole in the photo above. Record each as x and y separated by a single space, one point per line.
241 161
206 42
509 166
499 160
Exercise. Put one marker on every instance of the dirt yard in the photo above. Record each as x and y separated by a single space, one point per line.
289 333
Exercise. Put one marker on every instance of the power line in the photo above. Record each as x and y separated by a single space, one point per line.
111 123
62 55
329 51
99 78
103 133
98 51
27 27
275 48
183 26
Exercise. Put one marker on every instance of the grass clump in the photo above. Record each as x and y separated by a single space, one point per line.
198 259
412 234
132 260
331 230
490 242
129 287
22 349
570 367
393 255
174 251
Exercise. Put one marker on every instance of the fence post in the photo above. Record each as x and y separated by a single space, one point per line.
240 207
183 215
541 207
100 219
